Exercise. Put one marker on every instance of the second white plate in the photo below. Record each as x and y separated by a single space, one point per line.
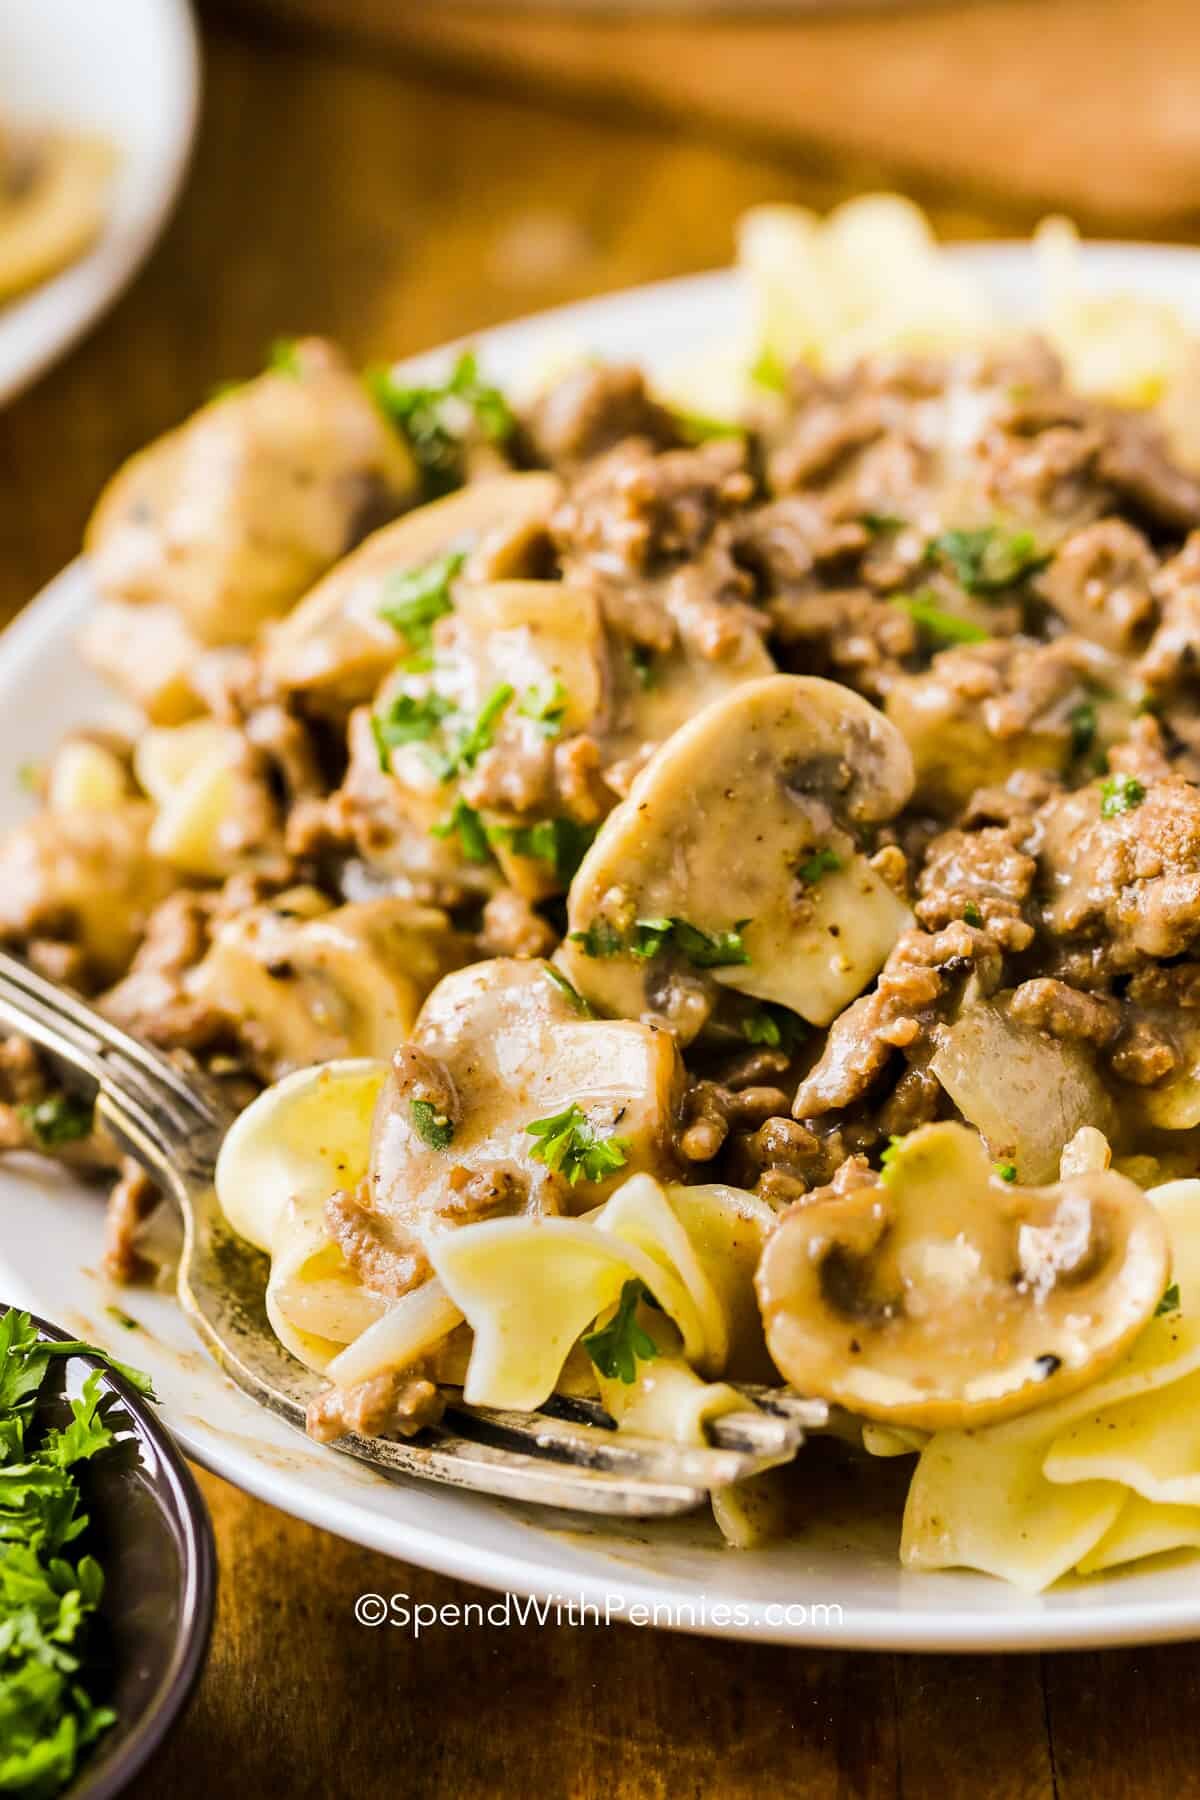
128 69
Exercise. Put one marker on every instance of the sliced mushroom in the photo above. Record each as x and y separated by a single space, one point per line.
941 1295
307 983
231 517
148 653
745 821
497 1047
88 876
335 648
650 699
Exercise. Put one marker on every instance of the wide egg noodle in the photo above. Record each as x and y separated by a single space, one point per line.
292 1148
1032 1498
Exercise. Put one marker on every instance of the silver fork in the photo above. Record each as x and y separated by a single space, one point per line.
172 1121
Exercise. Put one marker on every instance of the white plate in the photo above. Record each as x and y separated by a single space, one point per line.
126 68
50 1234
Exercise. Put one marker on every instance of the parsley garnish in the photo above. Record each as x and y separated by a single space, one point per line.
29 776
821 862
769 370
568 1144
569 991
889 1160
972 914
774 1027
1082 720
643 665
1170 1301
1007 1171
415 599
472 834
698 429
546 707
617 1347
988 560
431 1126
942 626
283 358
479 738
600 939
1120 794
430 417
406 721
563 843
650 937
47 1594
880 523
59 1119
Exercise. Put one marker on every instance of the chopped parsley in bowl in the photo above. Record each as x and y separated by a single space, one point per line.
107 1570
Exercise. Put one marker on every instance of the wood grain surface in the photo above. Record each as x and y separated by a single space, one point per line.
1084 105
352 194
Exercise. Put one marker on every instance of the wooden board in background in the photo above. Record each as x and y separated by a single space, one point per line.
1088 105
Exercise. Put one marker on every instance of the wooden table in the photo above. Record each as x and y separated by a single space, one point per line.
394 209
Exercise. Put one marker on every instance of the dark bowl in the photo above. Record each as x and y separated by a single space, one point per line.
150 1530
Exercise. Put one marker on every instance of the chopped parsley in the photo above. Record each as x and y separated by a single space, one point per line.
48 1592
774 1027
29 776
470 829
406 720
569 1145
987 560
563 843
890 1159
644 670
415 599
569 991
432 418
601 939
878 524
618 1346
59 1119
283 358
431 1126
1007 1171
821 862
1170 1301
699 429
1082 720
972 914
1120 794
768 370
479 738
546 706
708 950
650 937
942 626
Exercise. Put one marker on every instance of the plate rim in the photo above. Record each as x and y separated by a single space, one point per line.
1036 1622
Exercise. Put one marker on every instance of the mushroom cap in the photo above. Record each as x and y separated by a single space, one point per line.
940 1295
335 646
717 829
315 982
506 1047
